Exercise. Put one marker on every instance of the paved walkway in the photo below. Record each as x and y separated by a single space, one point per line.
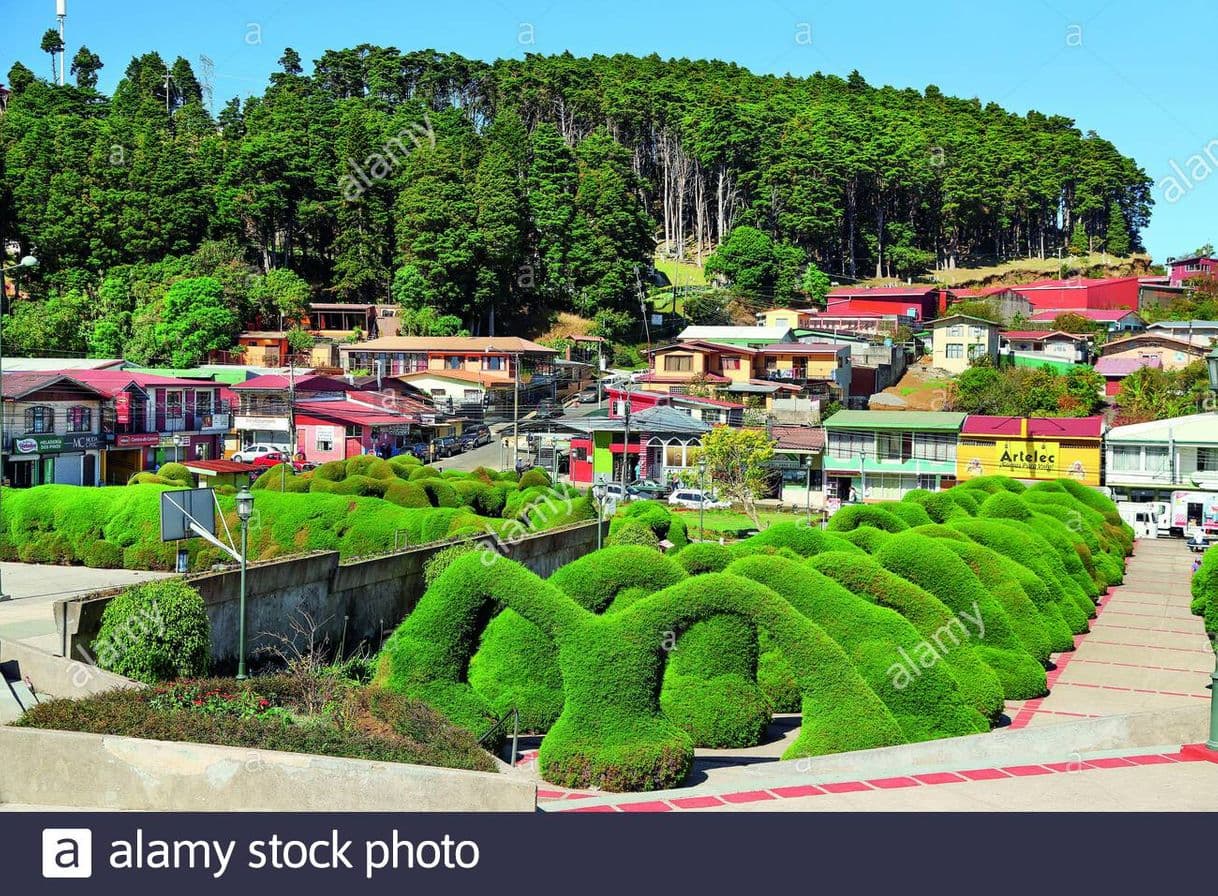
34 588
1144 652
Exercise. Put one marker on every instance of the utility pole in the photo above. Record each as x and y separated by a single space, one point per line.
61 13
283 479
626 442
168 81
643 307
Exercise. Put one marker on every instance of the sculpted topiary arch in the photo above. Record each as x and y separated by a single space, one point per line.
612 732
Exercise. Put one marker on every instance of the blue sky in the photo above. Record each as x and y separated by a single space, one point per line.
1139 74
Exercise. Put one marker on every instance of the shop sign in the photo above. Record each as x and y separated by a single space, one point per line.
137 440
53 444
122 407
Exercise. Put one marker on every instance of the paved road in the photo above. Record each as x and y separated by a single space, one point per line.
34 588
494 455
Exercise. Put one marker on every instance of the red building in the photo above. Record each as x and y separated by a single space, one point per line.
915 303
1080 292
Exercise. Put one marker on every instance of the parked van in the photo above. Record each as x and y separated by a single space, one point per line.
1148 518
1194 511
1142 518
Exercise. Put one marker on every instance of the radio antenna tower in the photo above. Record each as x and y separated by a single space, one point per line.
61 13
207 72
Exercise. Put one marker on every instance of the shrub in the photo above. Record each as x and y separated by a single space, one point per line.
175 472
851 516
369 465
704 557
595 580
331 471
150 479
801 538
534 477
104 555
435 565
282 477
930 564
366 723
424 472
995 484
863 576
1205 590
155 632
407 494
631 532
869 538
909 512
929 705
939 506
439 492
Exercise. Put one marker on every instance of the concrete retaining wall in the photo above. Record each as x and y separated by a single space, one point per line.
348 603
63 768
58 677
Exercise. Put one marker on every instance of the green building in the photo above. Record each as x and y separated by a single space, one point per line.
881 455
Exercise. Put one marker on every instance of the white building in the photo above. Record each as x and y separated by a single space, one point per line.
1147 461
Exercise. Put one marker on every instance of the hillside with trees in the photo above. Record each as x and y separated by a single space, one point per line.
501 193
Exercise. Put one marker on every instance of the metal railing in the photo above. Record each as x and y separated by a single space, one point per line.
514 715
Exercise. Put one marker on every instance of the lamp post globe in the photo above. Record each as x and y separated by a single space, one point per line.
245 509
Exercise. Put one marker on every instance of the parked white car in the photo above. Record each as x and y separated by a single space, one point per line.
694 499
248 454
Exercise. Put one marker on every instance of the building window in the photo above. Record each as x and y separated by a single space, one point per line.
40 419
1126 459
851 446
80 419
955 330
888 446
494 362
930 483
173 404
934 447
473 395
1158 459
438 393
1207 459
453 363
674 455
955 350
731 363
679 362
976 350
204 402
354 431
324 441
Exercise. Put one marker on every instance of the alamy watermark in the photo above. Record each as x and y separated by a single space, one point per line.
932 650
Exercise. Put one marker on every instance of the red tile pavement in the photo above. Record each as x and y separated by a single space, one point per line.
845 787
939 778
1108 763
651 806
893 783
699 802
984 774
1026 771
748 796
794 792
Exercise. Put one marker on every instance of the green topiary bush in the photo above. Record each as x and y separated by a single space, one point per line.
175 472
369 465
931 564
801 538
851 516
151 479
632 532
705 557
155 632
869 538
927 706
909 512
407 494
939 506
104 555
1205 591
937 625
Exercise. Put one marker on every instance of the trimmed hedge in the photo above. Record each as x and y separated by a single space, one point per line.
911 513
869 538
927 705
851 516
801 538
632 532
155 632
865 577
939 506
705 557
1205 591
931 564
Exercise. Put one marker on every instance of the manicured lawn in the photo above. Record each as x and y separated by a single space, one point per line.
729 521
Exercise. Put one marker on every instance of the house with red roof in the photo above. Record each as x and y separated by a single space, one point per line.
1114 320
52 426
1114 369
913 303
1074 348
1082 292
1181 270
1031 448
149 420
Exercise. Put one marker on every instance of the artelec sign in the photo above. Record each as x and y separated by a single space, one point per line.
48 444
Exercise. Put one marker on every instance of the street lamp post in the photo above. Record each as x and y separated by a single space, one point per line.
600 491
1211 362
28 261
245 509
702 498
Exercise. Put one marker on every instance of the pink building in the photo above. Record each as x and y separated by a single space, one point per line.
1184 269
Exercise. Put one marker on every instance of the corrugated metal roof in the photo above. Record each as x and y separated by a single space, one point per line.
929 420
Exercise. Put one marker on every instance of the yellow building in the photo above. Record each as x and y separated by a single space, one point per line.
1031 448
958 340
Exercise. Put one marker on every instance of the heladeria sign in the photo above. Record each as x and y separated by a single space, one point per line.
50 444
